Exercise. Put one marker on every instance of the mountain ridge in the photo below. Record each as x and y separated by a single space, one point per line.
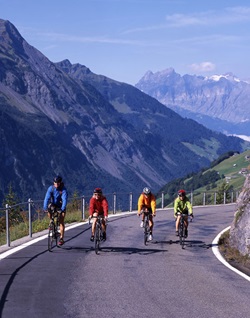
59 118
223 98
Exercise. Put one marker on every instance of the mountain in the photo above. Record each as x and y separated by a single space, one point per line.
59 118
220 103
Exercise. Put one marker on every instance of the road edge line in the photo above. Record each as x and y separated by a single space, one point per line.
217 253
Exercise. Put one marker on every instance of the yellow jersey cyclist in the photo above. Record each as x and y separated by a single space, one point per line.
147 203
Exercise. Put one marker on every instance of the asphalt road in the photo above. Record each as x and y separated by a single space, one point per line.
127 279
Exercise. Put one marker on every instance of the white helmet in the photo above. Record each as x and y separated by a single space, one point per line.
146 190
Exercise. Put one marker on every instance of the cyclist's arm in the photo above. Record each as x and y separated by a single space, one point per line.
153 205
140 204
105 207
190 208
91 206
47 198
64 199
176 206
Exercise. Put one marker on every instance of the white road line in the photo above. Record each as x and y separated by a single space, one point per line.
33 241
215 248
216 252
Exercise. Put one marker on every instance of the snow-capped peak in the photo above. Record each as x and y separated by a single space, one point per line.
228 76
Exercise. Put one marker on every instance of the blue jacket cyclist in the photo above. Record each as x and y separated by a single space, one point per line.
57 197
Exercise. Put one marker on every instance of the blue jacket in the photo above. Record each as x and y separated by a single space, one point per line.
57 196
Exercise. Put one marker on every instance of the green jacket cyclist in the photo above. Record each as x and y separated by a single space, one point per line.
182 205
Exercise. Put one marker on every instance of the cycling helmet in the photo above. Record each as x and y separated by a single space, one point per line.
146 190
98 190
58 179
181 193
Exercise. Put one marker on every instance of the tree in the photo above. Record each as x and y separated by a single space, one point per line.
11 199
224 188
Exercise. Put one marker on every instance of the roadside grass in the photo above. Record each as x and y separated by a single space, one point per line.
21 230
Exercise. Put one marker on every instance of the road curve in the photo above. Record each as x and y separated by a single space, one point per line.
127 279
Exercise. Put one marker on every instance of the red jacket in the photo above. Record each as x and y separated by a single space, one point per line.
99 206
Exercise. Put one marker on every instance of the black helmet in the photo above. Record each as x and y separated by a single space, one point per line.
98 190
58 179
146 190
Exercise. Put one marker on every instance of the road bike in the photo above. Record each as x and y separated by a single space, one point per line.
181 229
54 234
98 235
146 227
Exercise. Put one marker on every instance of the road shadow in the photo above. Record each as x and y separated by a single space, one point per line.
132 250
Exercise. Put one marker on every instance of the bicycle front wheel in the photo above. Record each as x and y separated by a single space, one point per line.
52 238
181 235
146 232
97 239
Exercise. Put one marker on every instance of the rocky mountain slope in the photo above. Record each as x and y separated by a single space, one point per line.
240 229
218 102
58 118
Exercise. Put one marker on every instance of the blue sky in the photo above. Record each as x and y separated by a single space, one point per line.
123 39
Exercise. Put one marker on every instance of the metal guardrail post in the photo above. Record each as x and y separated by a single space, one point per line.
7 225
130 201
192 197
30 217
114 201
162 200
83 207
215 194
224 197
204 198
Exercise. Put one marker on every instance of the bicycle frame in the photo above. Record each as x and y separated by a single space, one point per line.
98 233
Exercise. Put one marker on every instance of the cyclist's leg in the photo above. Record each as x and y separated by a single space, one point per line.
50 216
94 223
151 223
177 223
61 217
103 224
186 225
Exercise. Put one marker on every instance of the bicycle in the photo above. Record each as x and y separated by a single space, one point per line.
98 235
53 234
181 229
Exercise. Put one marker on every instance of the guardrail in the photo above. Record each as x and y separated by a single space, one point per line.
117 202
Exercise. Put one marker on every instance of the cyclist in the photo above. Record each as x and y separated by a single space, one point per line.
98 205
57 196
147 203
183 206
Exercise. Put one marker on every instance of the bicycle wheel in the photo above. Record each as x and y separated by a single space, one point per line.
52 239
57 233
97 238
181 234
146 232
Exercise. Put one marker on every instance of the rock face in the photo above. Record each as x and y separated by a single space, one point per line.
240 229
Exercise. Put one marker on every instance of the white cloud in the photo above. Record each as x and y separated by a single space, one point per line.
227 16
202 67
